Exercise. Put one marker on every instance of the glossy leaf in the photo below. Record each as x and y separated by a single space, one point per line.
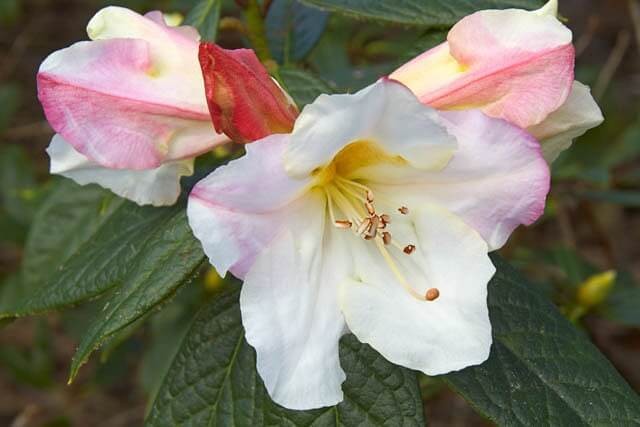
168 260
213 381
205 16
434 13
542 371
303 86
293 29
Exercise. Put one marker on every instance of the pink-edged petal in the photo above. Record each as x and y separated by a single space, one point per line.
129 103
446 334
496 180
240 207
290 310
577 115
157 187
512 64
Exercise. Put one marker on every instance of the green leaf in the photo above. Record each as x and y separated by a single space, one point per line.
542 371
205 16
293 29
434 13
303 87
66 219
213 381
168 260
17 183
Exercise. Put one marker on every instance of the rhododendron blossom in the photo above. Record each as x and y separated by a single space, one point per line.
375 215
130 109
512 64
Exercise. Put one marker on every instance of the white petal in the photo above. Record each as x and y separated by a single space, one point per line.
578 114
158 187
240 207
291 315
435 337
385 113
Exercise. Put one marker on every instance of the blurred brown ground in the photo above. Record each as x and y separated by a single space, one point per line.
607 236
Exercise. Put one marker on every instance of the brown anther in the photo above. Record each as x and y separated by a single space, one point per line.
382 225
369 196
343 223
403 210
386 237
409 249
432 294
364 226
372 231
385 218
370 208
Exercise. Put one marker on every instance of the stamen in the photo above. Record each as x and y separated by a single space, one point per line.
373 227
385 218
403 210
409 249
343 223
369 196
370 208
364 226
432 294
386 237
396 271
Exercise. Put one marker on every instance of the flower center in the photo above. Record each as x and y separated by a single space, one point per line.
357 202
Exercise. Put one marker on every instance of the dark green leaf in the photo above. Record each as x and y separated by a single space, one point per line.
303 87
542 371
18 192
168 259
213 381
67 218
293 29
434 13
205 16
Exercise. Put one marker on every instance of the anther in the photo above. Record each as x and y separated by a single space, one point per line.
386 237
409 249
385 218
364 226
432 294
369 196
403 210
370 208
342 223
372 231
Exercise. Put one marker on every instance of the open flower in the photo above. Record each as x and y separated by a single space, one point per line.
128 107
375 216
512 64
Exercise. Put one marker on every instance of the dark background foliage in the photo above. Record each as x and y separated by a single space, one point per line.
592 223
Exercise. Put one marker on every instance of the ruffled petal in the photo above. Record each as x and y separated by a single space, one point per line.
290 311
131 102
435 337
512 64
576 116
385 114
496 180
240 207
158 187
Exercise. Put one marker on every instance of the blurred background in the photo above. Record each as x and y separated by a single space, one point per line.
584 253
